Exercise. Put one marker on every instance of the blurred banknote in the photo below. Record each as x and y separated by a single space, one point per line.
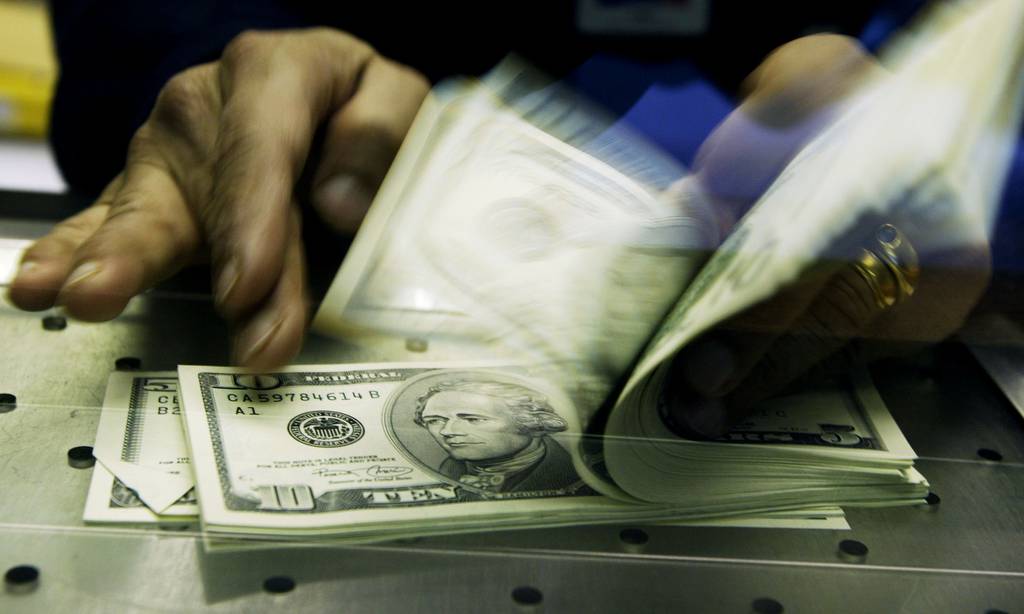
525 226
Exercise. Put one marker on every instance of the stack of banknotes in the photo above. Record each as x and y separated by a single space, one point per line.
523 228
386 451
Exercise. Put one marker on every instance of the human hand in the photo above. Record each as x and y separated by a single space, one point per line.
212 173
874 288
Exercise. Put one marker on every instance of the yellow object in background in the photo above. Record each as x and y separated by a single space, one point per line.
27 68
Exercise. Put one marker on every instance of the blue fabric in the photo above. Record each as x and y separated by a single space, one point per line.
670 103
888 19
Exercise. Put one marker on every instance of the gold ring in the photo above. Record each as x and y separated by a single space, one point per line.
890 267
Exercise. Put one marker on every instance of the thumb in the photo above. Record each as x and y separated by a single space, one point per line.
361 141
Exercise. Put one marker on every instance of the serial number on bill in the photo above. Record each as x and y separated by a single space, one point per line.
291 397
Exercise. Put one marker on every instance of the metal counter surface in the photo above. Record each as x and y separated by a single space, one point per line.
962 554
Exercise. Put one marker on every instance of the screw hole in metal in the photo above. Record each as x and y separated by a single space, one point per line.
279 584
527 595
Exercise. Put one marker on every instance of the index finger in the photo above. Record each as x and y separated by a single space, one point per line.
277 88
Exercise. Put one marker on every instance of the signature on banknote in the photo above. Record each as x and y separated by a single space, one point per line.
373 471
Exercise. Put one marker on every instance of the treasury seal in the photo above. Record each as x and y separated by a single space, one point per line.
325 429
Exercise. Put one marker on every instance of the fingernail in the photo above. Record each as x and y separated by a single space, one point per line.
255 338
226 281
83 272
26 268
343 201
708 367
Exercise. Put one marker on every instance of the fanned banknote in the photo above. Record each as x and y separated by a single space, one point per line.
499 234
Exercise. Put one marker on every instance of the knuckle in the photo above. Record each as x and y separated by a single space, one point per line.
184 107
142 142
407 83
110 191
355 45
180 91
827 42
803 56
415 82
852 304
145 147
833 316
821 326
129 202
244 47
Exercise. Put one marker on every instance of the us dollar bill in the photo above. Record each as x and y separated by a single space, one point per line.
143 471
382 449
110 501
